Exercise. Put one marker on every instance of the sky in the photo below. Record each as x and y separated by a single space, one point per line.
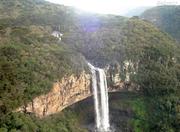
110 6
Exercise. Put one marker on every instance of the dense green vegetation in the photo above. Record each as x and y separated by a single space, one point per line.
158 76
66 121
126 110
99 39
166 18
32 60
29 65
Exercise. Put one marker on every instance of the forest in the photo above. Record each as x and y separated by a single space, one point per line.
32 60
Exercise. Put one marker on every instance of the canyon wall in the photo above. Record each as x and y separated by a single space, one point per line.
72 89
119 76
64 93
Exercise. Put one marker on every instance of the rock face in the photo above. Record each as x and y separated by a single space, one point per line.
118 76
71 90
64 93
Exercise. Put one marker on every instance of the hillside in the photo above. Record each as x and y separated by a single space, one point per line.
166 18
32 60
117 43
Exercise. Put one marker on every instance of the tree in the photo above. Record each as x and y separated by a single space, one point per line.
158 77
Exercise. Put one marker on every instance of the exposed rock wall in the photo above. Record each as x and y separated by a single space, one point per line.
64 93
119 76
71 90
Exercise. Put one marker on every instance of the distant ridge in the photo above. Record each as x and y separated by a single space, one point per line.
166 17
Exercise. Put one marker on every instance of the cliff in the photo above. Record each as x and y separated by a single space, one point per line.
69 91
64 93
119 76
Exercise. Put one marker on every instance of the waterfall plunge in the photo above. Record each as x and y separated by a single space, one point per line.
100 92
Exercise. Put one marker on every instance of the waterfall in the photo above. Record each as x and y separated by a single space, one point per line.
101 104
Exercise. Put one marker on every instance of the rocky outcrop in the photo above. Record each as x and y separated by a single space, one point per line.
118 76
72 89
64 93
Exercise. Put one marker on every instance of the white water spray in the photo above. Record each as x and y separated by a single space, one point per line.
100 92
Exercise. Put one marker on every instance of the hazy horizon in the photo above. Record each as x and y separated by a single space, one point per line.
119 7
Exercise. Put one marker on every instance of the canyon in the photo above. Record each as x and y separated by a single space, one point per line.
72 89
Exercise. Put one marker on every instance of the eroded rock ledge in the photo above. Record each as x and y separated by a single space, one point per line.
69 91
64 93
